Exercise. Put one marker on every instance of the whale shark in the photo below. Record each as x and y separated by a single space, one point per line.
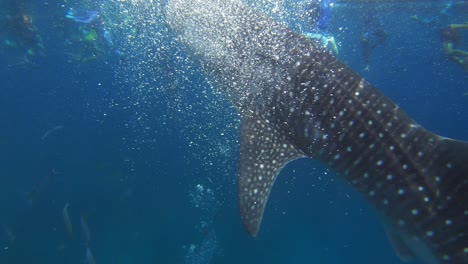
296 100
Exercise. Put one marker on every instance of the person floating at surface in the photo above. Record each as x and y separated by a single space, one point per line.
450 39
320 16
90 37
85 42
21 32
448 9
373 36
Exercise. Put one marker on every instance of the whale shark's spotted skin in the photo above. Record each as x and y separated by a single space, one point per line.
297 100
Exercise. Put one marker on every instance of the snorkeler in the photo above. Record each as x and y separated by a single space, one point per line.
320 16
373 36
448 9
90 37
21 32
450 39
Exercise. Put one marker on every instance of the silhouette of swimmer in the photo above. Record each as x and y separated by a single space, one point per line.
324 15
319 18
373 36
21 31
449 8
450 39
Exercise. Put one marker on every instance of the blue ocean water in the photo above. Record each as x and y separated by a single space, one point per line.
114 118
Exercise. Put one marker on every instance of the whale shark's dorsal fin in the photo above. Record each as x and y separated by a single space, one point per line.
263 153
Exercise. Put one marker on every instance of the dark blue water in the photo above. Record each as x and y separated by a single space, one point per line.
144 152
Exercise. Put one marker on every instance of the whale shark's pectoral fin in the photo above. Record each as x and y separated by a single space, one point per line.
263 153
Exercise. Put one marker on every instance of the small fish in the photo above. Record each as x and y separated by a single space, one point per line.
50 131
66 220
9 234
89 258
86 230
40 186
